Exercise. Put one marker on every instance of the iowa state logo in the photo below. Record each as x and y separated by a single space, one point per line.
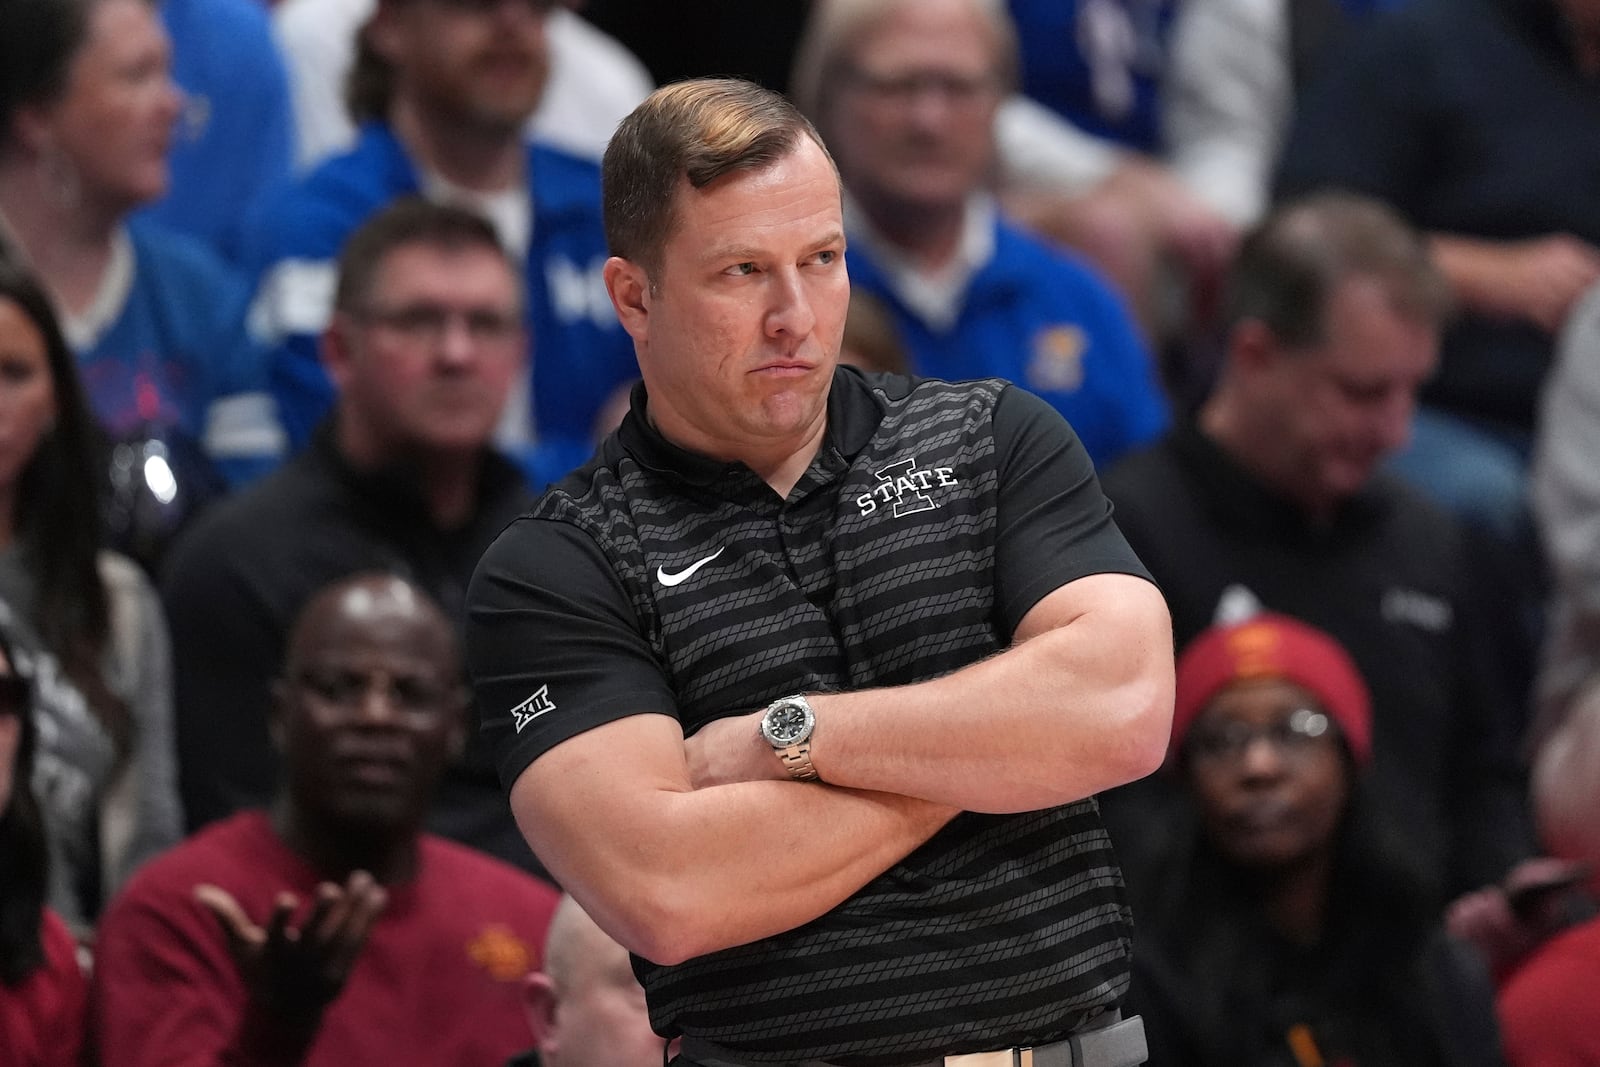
904 487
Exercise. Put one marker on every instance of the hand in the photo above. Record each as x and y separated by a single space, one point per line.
1507 921
1201 238
732 750
294 972
1540 280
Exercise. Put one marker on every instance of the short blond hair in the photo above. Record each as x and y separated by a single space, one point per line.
698 131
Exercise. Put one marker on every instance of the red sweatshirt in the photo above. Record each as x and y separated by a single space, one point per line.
439 981
42 1019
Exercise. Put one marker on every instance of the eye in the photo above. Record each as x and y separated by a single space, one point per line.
828 256
741 270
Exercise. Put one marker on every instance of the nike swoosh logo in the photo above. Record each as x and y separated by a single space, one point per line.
672 578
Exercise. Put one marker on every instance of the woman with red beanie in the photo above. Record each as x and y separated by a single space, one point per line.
1281 929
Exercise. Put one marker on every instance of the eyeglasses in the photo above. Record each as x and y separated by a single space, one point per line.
1295 736
430 323
15 696
349 690
959 91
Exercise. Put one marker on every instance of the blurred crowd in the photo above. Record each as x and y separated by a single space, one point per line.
301 303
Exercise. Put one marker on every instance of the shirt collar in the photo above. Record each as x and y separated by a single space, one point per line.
855 407
935 297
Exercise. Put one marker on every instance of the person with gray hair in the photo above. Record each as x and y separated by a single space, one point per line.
1274 498
906 93
804 685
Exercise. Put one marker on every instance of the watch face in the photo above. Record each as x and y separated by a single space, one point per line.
787 722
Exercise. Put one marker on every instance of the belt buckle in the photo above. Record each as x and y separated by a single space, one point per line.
1009 1057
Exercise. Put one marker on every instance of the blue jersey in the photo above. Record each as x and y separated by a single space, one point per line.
178 357
1099 63
1035 317
580 354
235 144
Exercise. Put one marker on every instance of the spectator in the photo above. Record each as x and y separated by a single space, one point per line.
332 930
593 82
905 95
424 346
443 89
43 994
586 1006
1084 161
1547 1004
1503 182
83 621
87 106
1285 927
235 141
1273 499
1566 502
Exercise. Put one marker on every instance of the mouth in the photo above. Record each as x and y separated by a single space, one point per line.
1264 817
786 368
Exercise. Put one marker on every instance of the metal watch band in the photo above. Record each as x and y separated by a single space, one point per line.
797 761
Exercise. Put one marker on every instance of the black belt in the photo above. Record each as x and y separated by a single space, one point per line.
1118 1042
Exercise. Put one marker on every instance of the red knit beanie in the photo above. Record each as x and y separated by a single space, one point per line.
1274 646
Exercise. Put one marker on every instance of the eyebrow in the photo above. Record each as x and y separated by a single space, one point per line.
746 253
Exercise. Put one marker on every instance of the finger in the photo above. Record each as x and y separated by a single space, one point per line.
327 912
244 936
279 933
367 902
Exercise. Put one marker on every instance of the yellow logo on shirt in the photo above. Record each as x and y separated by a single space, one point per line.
1057 363
500 952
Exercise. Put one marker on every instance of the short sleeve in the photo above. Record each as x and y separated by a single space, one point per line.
1054 523
554 646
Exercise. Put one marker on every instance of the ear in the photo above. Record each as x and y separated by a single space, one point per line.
629 288
338 350
1253 348
381 34
31 128
539 994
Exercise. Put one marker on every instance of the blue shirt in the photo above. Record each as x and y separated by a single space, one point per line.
235 143
178 357
1035 317
1098 63
581 355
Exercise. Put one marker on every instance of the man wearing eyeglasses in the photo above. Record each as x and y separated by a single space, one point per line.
332 930
1274 498
443 89
905 92
425 344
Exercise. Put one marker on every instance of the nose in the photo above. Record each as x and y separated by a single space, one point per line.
929 108
376 706
456 347
1261 758
791 312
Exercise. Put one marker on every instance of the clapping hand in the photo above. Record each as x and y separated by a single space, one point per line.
293 971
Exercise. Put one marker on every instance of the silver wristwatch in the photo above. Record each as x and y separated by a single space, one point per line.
787 724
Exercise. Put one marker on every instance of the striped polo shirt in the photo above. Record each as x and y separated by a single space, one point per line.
933 517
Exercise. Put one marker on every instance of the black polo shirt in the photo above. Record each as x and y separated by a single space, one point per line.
932 519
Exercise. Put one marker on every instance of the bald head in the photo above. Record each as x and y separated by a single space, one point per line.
586 1007
371 706
360 605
